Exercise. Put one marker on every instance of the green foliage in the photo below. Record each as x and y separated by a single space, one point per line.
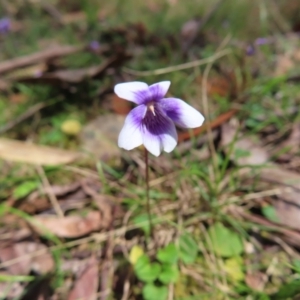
265 105
270 213
153 292
224 241
188 248
25 188
157 274
169 273
146 271
296 265
287 291
142 221
15 278
168 255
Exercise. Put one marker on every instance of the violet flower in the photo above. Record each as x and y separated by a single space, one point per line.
5 25
94 45
152 122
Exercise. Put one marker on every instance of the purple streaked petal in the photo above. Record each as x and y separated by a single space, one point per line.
159 132
158 90
134 91
131 135
181 113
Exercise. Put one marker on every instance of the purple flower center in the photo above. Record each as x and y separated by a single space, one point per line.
155 119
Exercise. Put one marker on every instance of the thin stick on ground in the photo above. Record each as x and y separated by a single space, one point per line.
180 67
48 188
147 192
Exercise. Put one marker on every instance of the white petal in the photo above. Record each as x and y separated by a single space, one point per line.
169 139
166 140
152 143
181 113
131 135
130 90
159 90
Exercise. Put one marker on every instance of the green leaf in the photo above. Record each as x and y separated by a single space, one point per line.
188 248
16 278
169 273
224 241
269 212
146 271
168 255
143 221
238 153
296 265
287 291
24 189
152 292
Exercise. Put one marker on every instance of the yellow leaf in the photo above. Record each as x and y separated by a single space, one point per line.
71 127
135 253
233 267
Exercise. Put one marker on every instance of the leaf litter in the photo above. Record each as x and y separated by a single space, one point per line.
99 201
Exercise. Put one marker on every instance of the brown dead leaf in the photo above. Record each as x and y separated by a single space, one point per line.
290 146
4 85
100 136
18 98
276 174
57 190
86 286
70 226
75 266
72 17
284 64
31 71
70 196
256 281
15 235
42 204
287 203
10 290
53 52
105 204
288 209
221 84
75 75
41 264
243 150
19 151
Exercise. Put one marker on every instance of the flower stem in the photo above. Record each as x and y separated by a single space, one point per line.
147 193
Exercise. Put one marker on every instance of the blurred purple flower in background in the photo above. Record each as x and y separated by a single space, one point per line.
262 41
5 25
152 122
250 50
94 45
